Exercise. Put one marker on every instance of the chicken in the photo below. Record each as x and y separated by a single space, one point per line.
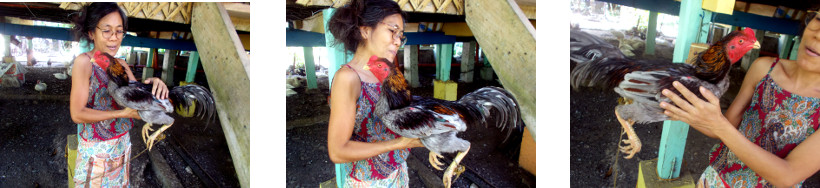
60 75
435 122
639 82
40 86
188 100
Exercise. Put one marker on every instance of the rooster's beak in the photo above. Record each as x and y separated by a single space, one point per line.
757 45
366 67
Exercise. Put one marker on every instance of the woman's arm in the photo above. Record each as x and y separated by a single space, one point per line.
81 74
341 149
797 166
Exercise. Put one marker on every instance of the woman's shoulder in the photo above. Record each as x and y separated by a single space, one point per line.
346 75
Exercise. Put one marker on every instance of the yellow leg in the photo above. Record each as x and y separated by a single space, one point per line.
632 144
433 158
145 129
153 137
451 170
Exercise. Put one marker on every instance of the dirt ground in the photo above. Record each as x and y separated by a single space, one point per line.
595 158
308 164
34 126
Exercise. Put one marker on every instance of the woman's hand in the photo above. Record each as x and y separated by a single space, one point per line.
693 110
405 142
129 113
160 90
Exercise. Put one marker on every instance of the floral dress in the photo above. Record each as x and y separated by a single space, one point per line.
384 170
777 121
104 149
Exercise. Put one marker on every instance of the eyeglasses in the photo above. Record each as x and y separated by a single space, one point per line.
812 23
397 34
107 33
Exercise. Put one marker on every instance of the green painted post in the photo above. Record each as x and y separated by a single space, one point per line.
651 32
335 54
443 63
793 54
673 138
193 64
310 70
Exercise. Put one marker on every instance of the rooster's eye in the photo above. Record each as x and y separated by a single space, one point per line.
741 41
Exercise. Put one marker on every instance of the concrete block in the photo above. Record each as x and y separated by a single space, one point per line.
648 177
446 90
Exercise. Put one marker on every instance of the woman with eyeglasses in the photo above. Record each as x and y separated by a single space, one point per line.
104 149
767 134
370 154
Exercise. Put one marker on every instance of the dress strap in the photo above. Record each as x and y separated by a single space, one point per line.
775 63
354 70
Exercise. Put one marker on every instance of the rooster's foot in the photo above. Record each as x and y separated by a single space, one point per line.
454 169
632 144
433 158
156 136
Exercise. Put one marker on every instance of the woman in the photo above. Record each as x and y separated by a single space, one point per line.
104 149
766 134
373 155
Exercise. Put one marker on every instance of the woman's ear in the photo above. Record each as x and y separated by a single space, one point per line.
365 31
91 36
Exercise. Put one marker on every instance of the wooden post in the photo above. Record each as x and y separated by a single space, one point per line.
651 31
508 39
335 54
673 136
148 71
467 62
193 64
310 70
168 62
227 68
706 25
411 65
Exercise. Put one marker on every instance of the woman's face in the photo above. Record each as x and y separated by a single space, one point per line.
808 53
384 40
108 34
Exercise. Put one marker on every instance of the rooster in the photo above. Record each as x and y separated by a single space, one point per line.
136 95
639 82
435 122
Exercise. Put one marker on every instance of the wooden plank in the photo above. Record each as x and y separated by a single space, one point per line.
508 40
467 62
673 138
227 66
411 65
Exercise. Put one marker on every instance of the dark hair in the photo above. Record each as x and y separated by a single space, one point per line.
344 24
90 15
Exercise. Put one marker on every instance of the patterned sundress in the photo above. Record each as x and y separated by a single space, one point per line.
383 170
104 148
777 121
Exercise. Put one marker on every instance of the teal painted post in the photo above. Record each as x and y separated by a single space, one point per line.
193 64
336 58
6 45
705 26
148 71
651 32
335 54
673 138
85 46
443 63
310 70
785 46
793 54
